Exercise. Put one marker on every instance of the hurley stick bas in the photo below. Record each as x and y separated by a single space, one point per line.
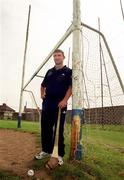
53 162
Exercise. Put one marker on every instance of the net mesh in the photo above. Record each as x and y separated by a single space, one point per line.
103 96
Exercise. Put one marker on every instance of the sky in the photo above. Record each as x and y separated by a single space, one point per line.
48 22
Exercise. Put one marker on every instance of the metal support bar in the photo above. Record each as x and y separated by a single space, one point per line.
110 54
39 76
68 32
33 100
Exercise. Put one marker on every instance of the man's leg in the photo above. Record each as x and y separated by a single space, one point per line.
46 135
47 131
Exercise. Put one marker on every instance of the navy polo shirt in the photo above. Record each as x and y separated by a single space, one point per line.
57 83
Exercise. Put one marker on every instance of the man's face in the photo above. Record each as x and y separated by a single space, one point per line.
58 58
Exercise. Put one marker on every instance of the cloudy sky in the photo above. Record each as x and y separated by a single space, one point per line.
49 20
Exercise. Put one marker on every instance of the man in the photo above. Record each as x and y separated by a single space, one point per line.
55 92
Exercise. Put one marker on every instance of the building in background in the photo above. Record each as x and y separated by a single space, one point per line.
31 114
6 112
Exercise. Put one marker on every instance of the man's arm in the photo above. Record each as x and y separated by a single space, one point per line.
63 103
42 92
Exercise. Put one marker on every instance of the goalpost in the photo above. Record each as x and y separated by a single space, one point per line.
23 72
86 93
77 93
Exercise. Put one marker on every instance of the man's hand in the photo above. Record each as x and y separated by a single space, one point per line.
43 92
42 96
62 104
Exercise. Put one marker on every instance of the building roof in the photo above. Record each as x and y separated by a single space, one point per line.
30 110
4 108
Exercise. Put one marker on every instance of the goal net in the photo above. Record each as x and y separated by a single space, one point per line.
103 91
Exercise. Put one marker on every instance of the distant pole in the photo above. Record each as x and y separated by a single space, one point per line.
69 56
77 96
122 9
23 71
101 73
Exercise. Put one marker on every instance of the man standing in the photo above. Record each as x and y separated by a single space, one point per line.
55 92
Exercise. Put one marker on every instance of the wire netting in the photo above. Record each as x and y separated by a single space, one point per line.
103 93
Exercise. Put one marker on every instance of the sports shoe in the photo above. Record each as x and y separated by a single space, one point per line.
60 161
41 155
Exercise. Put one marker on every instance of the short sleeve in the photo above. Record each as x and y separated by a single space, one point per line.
44 82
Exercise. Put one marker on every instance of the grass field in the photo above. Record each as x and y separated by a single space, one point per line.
103 152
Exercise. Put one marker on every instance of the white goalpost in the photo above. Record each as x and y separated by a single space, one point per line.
86 80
